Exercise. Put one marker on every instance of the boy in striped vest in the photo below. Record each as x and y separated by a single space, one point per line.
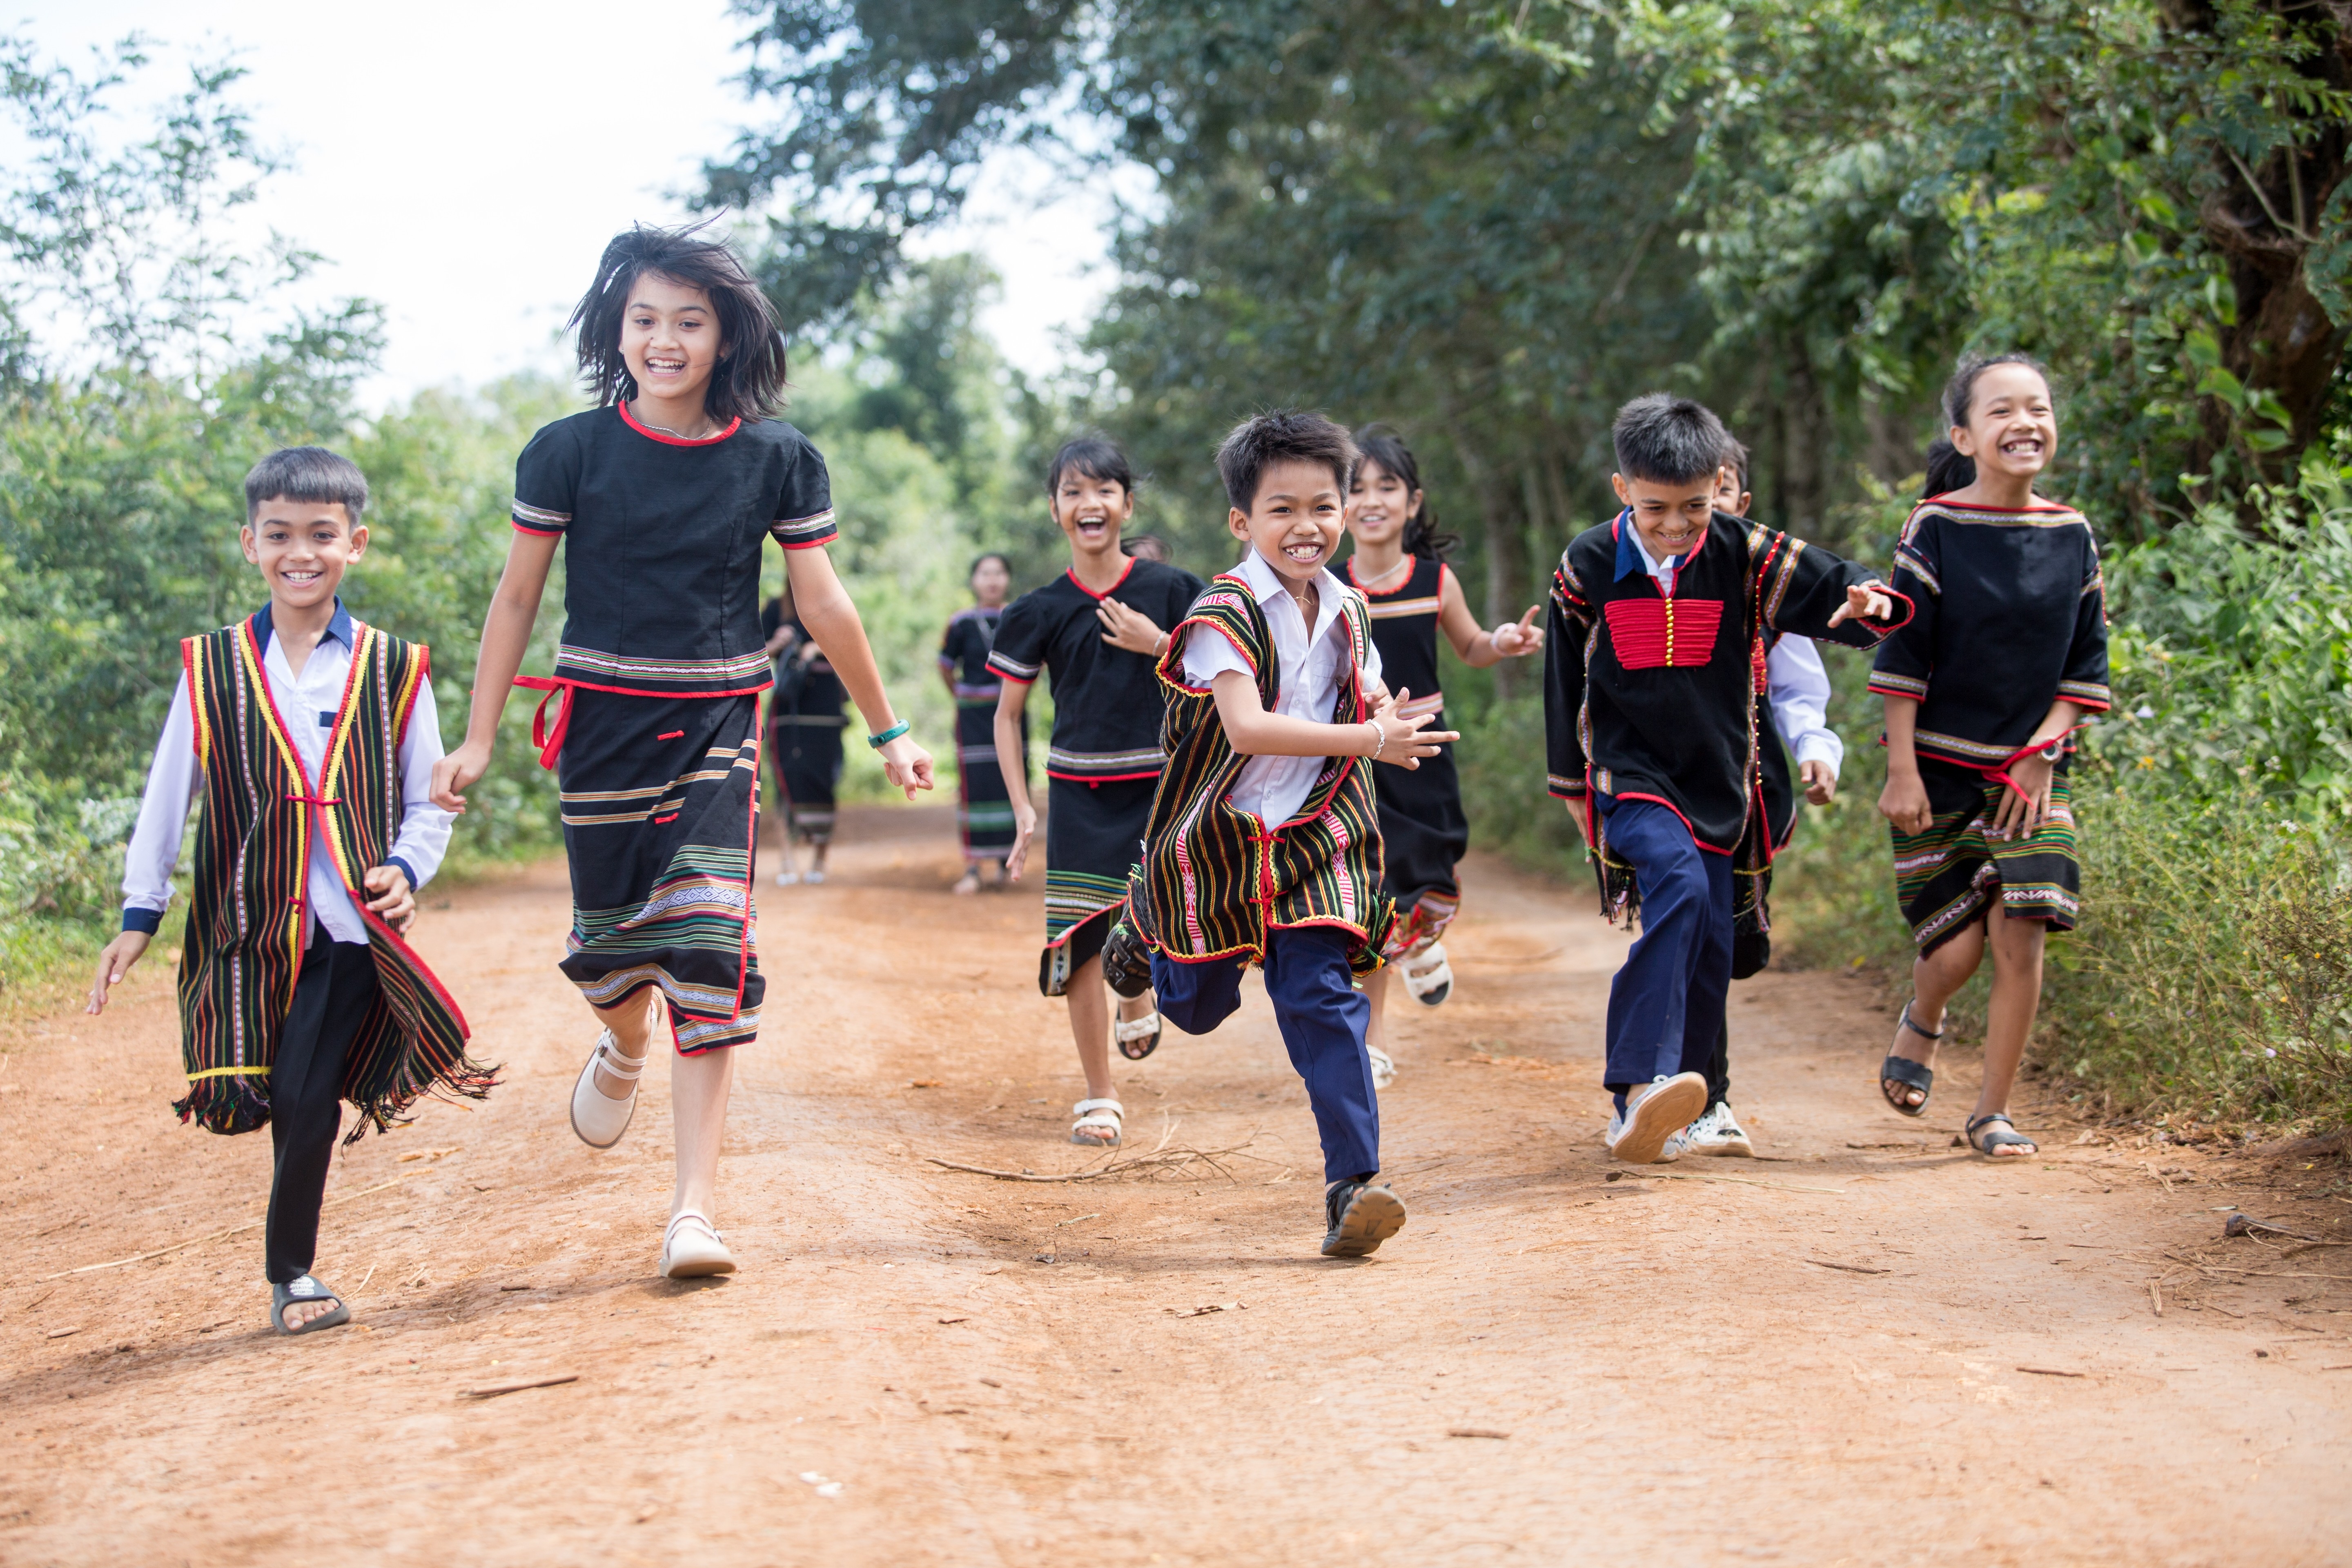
312 737
1264 842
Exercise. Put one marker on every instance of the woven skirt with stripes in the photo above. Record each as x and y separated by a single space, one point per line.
807 752
983 810
1424 837
660 806
1951 875
1094 835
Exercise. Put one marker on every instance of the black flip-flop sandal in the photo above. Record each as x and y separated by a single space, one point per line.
1995 1137
300 1292
1908 1073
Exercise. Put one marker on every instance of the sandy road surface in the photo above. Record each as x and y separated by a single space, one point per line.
1679 1377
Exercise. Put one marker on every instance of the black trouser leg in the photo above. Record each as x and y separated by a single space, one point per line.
1718 1067
332 993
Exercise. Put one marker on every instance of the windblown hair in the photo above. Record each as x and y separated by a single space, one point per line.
1668 441
1959 392
312 474
747 382
1735 456
1094 456
1282 436
1382 445
1949 469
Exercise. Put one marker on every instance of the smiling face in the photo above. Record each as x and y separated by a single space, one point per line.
1378 504
303 549
1295 518
990 581
1091 511
670 339
2013 428
1671 517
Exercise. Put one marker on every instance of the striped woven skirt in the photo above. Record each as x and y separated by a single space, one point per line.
983 810
1094 835
1949 876
660 802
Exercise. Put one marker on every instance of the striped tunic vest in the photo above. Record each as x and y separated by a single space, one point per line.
244 940
1215 880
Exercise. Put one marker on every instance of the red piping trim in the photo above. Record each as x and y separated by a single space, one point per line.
812 543
631 421
1100 778
1072 574
1670 806
539 533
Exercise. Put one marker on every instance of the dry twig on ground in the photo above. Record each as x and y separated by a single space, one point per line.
1161 1160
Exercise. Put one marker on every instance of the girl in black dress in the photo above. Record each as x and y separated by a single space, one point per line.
983 809
1399 565
804 726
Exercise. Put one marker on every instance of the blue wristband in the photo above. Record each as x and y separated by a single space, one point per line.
889 735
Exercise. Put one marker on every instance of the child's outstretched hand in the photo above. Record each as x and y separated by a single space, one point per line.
1515 639
114 965
907 766
1865 602
457 773
394 901
1408 739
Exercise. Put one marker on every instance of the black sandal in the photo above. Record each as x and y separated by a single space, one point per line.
1995 1139
300 1292
1908 1073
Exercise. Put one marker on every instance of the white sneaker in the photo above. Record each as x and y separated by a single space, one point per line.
1719 1133
1383 1066
1652 1118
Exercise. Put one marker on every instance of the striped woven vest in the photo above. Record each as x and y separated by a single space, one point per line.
243 941
1215 880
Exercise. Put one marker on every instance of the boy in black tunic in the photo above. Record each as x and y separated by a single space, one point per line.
1655 653
1097 628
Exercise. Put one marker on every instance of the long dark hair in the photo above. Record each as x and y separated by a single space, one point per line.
747 382
1380 444
1949 469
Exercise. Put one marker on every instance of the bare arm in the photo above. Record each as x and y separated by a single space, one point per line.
1903 802
506 638
2023 814
1255 733
832 625
1011 701
1472 644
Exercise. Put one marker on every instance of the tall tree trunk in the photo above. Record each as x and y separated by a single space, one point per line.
1804 420
1500 537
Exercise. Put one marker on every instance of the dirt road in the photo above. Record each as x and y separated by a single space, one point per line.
1822 1361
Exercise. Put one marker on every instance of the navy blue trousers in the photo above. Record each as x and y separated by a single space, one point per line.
1665 1006
1323 1017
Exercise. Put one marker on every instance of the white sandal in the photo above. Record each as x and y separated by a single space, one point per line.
1126 1031
1107 1113
1383 1066
1433 981
598 1117
693 1249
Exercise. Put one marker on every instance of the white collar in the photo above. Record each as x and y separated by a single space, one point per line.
1268 584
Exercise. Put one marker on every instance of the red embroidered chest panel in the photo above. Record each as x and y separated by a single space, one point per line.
1676 634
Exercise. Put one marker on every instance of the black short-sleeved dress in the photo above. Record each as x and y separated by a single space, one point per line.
983 810
657 738
1421 824
1104 759
2012 618
805 721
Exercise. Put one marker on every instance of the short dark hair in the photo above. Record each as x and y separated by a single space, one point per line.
1147 547
984 558
1735 456
312 474
1096 455
1282 436
1381 444
1959 392
749 381
1667 440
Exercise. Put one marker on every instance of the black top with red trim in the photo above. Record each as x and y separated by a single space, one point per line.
2012 617
1649 687
661 587
1107 701
1405 607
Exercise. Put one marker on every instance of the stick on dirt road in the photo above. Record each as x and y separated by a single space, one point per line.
1001 1372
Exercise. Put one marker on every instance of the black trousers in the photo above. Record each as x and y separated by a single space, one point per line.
1718 1067
332 992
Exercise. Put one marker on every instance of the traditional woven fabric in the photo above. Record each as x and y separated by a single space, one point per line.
660 797
983 808
1950 874
1214 880
1424 832
244 941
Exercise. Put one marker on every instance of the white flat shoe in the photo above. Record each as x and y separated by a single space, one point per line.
787 878
691 1249
598 1117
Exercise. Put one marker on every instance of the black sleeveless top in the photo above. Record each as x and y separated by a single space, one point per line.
1404 609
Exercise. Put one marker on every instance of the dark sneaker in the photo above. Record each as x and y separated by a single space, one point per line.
1360 1216
1127 962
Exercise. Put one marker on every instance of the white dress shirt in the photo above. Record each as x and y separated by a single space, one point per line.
1796 685
308 703
1271 789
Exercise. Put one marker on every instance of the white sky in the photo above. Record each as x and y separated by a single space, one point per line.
463 165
